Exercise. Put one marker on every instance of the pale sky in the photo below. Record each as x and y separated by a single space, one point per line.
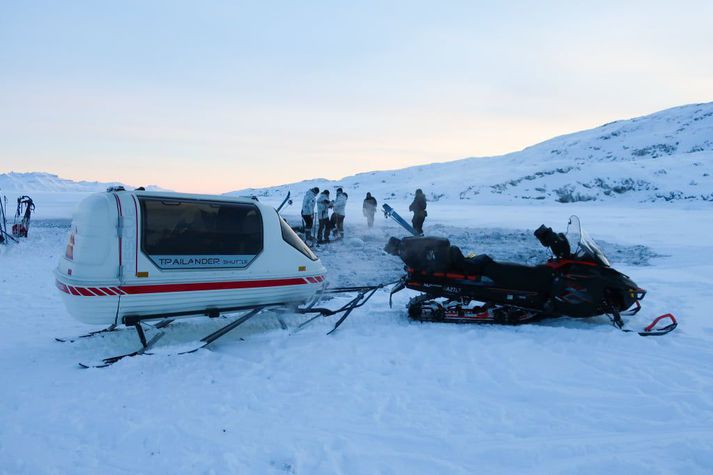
214 96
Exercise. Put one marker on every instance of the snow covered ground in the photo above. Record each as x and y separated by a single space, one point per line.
382 394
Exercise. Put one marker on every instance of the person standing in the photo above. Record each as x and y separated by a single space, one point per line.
323 205
369 209
418 206
308 210
340 206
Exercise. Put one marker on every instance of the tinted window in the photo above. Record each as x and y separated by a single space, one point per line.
200 228
294 240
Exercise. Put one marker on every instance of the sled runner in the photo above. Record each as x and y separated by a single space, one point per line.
577 282
364 293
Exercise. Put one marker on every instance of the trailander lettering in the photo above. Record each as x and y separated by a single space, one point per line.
193 262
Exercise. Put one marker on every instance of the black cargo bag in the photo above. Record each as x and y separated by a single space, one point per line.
430 254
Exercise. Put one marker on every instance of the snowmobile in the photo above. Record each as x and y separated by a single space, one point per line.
577 281
25 207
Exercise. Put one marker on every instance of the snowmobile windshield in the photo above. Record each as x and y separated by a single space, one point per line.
584 247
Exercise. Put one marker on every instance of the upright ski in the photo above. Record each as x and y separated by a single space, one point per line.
390 212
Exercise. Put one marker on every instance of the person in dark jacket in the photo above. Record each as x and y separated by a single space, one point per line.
369 209
418 206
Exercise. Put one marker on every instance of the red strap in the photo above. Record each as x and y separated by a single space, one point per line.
658 319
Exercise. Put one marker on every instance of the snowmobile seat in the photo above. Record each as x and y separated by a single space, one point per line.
517 276
505 274
436 255
468 265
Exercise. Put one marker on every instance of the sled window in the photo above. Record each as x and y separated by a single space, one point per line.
294 240
175 227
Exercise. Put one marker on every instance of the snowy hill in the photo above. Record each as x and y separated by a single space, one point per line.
48 182
666 156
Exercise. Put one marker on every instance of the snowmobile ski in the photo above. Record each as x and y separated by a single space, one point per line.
390 212
651 329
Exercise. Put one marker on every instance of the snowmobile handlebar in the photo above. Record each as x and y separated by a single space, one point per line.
556 242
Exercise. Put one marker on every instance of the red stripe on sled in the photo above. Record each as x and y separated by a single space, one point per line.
202 286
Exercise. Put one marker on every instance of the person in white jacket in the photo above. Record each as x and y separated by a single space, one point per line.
323 205
340 205
308 210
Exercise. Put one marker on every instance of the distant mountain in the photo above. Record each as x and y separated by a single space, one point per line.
39 181
666 156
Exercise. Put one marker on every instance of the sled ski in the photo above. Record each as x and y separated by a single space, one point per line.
222 331
364 293
390 212
111 328
72 339
148 344
113 359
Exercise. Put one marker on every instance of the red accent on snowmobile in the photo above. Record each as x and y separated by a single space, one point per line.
658 319
556 264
